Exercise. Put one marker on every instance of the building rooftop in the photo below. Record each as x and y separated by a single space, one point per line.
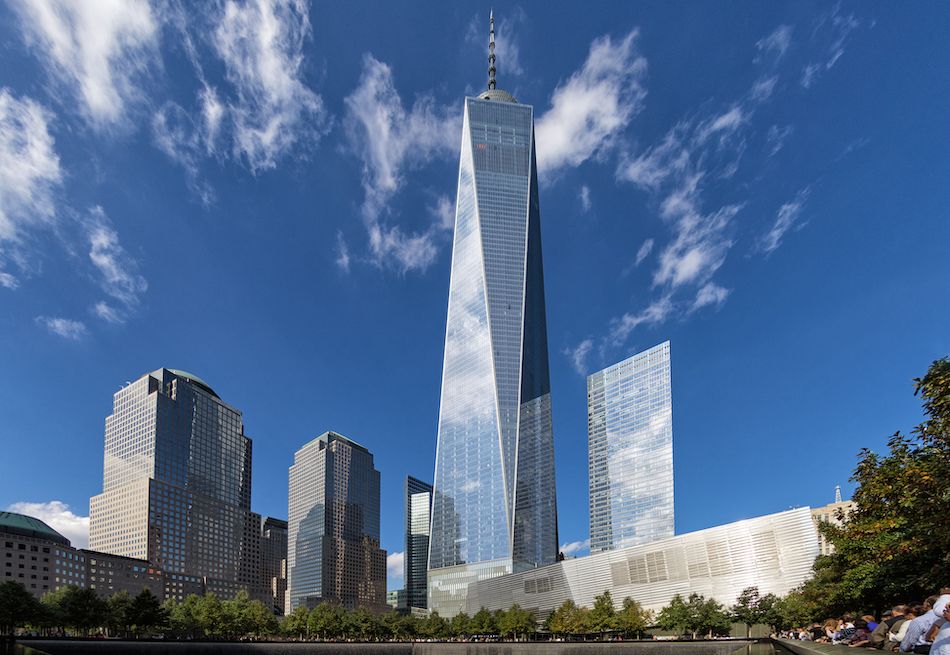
29 526
195 379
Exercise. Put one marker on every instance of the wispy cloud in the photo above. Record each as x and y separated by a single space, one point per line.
575 548
584 196
29 176
785 219
590 110
579 354
835 28
776 43
176 134
654 313
99 50
395 569
118 271
57 515
261 44
64 327
389 139
711 294
645 249
342 253
775 138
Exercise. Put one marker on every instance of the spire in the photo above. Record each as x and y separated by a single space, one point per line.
837 493
491 50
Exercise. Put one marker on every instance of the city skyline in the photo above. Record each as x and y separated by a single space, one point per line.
305 277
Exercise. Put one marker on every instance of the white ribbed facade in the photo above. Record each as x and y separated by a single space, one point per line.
774 553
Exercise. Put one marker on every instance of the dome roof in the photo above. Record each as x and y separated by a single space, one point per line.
497 95
29 526
194 378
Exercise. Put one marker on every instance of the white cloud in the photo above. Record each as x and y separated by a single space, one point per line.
723 124
584 196
579 354
8 281
835 28
775 138
575 548
273 112
654 313
99 48
785 220
118 271
644 251
64 327
395 564
389 139
776 43
763 88
29 175
710 294
175 133
57 515
342 253
444 212
593 106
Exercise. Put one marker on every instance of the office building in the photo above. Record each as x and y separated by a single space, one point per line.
836 514
415 561
630 451
774 553
176 488
333 551
493 504
274 561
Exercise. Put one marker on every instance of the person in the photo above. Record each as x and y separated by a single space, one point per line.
888 625
861 634
915 639
941 642
845 630
894 639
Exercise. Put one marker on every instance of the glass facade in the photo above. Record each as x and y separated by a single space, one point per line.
493 505
630 451
418 519
333 549
177 483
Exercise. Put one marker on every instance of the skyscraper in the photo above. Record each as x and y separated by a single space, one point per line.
333 551
415 562
274 560
630 451
493 506
176 487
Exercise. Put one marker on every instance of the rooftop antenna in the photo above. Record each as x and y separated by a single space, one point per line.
491 50
837 493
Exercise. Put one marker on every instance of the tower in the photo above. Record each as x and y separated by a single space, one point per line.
493 505
630 451
418 523
333 551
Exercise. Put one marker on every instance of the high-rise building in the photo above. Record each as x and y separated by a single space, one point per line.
493 505
836 514
630 451
416 559
176 487
333 551
274 560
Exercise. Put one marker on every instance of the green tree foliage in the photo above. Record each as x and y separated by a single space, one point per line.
145 612
119 614
748 609
17 607
568 619
602 617
516 622
632 619
434 627
296 623
696 615
76 609
209 615
893 545
792 611
361 624
484 623
674 616
460 626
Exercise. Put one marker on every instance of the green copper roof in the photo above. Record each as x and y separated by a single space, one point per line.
194 378
30 527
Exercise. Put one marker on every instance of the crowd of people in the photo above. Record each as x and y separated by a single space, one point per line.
922 628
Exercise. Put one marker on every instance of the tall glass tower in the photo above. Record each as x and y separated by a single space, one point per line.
493 506
418 523
630 451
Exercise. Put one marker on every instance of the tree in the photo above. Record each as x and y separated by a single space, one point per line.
674 616
434 626
326 621
17 607
893 545
460 625
209 615
602 617
361 624
714 619
75 608
183 617
632 619
748 609
516 622
296 623
260 619
484 623
792 611
145 612
119 614
568 619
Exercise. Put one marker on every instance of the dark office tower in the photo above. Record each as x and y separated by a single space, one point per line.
274 561
418 517
494 508
176 487
333 551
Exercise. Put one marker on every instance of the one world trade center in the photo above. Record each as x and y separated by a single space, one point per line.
493 507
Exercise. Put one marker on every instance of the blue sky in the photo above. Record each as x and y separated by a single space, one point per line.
262 193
